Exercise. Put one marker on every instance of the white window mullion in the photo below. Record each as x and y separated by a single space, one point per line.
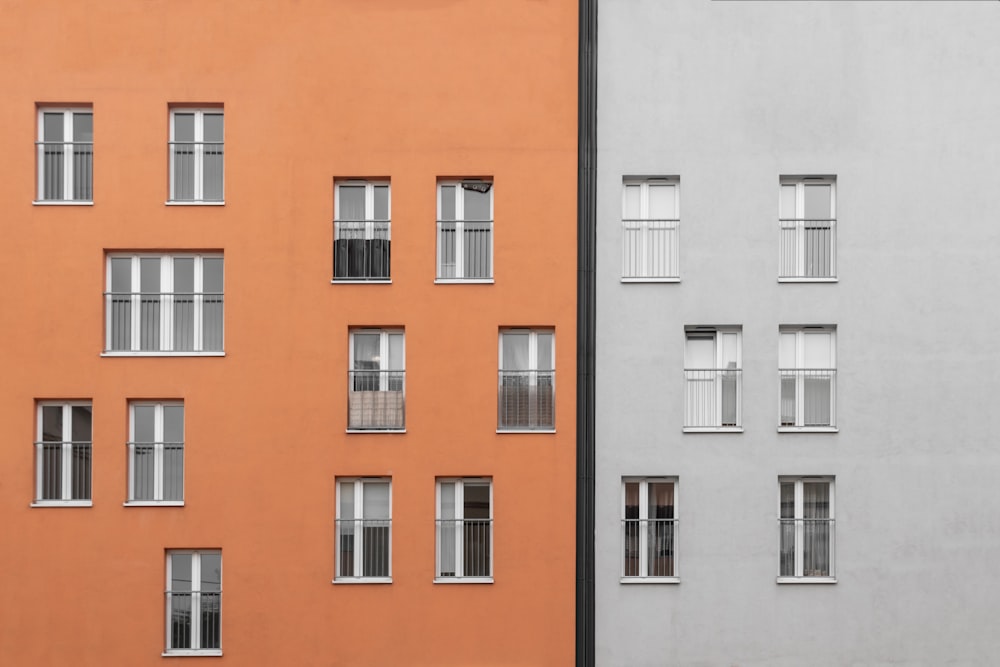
67 452
459 528
459 231
199 154
643 529
799 529
158 452
167 304
135 301
359 514
67 150
199 304
195 601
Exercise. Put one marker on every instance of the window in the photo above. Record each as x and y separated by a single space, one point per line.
361 231
808 375
713 373
156 453
464 530
465 231
527 380
649 529
808 227
65 154
364 529
63 454
164 304
806 521
651 229
196 155
376 381
194 602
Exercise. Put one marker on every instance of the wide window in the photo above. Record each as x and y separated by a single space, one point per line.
808 377
527 383
194 602
65 155
156 453
713 373
651 229
465 231
63 454
649 529
196 155
806 521
376 391
464 530
361 231
164 303
364 529
807 224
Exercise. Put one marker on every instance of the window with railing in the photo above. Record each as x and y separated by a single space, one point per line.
164 304
194 602
63 453
364 529
362 231
196 151
713 378
527 380
649 529
806 523
808 377
65 155
465 231
156 453
464 530
807 228
651 229
376 391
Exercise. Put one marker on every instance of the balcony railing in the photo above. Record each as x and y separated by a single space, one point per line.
651 249
63 471
376 400
465 249
164 322
713 397
526 400
363 547
465 547
66 170
156 471
196 170
648 547
807 249
814 539
361 249
201 608
808 397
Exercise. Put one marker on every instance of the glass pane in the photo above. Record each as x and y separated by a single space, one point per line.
816 500
447 202
662 202
788 500
52 127
477 501
213 127
351 202
121 274
211 573
82 418
661 500
83 127
786 350
817 350
52 423
183 127
787 203
381 202
213 303
396 361
183 275
144 423
376 500
632 209
477 204
180 573
447 500
173 423
143 471
817 201
514 348
149 275
347 500
173 472
545 362
699 351
184 303
366 351
212 278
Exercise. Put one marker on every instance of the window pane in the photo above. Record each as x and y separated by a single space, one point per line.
632 194
180 573
817 202
82 417
121 274
52 423
376 500
212 278
396 361
700 351
52 126
477 205
149 275
545 352
183 127
515 351
632 500
83 127
381 202
351 202
183 275
786 350
347 500
448 500
662 204
184 303
173 423
477 501
817 350
366 351
144 423
787 206
447 202
661 500
788 500
211 572
213 127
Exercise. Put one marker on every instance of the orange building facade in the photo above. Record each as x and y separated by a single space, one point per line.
290 346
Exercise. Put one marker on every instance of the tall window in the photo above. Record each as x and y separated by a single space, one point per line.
65 155
376 382
465 231
806 521
464 529
156 453
649 529
164 303
651 229
194 602
527 387
808 228
808 375
196 155
63 453
364 529
361 231
713 372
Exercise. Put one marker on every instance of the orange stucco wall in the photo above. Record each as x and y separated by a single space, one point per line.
313 90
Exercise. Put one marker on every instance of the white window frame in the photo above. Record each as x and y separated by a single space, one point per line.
384 379
158 455
799 519
68 163
800 183
459 223
166 330
670 226
800 332
644 576
198 198
359 541
66 460
194 649
370 222
715 375
533 370
459 576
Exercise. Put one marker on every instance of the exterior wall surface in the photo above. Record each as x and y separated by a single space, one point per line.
899 101
312 91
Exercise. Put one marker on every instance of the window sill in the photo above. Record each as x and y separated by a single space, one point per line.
194 203
62 202
526 430
463 580
153 503
363 580
355 281
161 354
675 279
712 429
376 430
806 580
806 279
191 653
63 503
650 580
808 429
463 281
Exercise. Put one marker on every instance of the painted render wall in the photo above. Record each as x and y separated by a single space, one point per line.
898 100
